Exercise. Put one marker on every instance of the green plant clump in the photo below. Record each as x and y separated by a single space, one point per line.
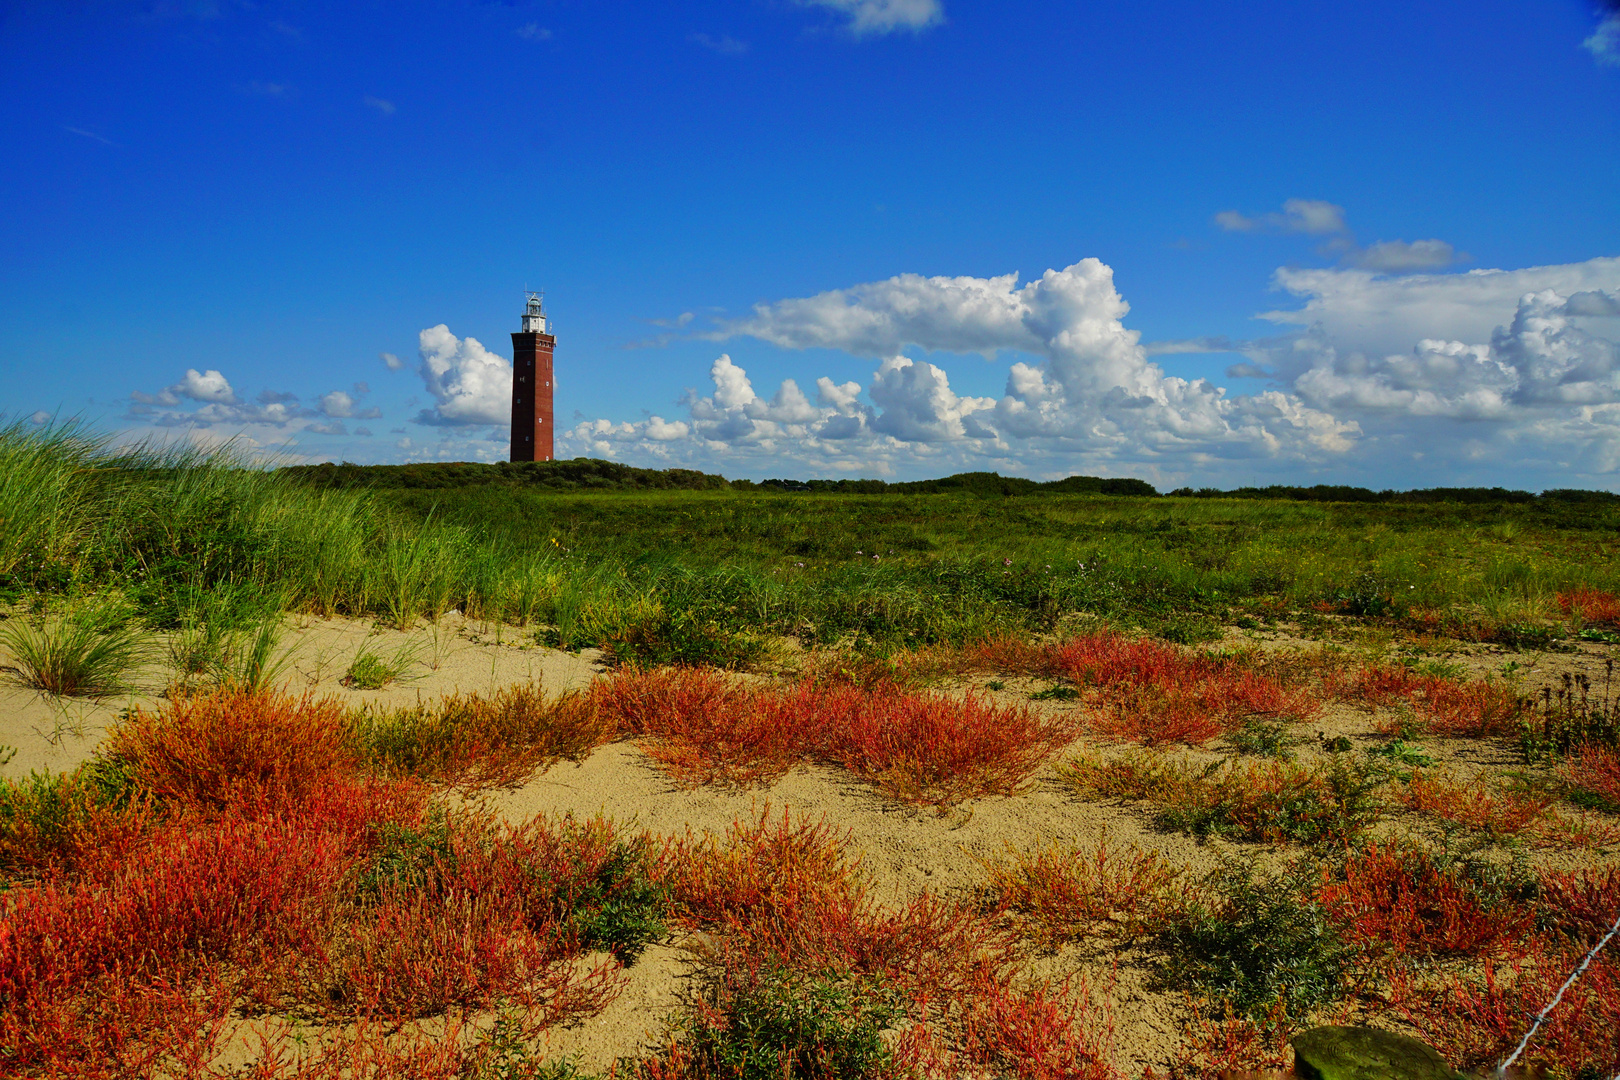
1264 738
408 858
772 1024
621 909
1259 945
88 652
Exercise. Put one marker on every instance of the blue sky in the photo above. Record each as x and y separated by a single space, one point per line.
1267 242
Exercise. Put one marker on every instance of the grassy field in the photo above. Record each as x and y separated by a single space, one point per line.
1107 785
710 575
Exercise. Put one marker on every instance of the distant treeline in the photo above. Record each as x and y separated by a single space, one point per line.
973 483
580 474
593 474
577 474
1341 493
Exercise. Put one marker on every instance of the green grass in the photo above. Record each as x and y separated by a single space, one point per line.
88 651
700 573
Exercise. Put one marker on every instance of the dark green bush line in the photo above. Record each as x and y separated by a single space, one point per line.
982 484
589 474
1341 493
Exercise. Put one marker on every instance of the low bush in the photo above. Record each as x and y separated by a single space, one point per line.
1404 901
1580 905
1593 776
1141 690
1594 607
931 749
1151 693
473 740
1059 894
1261 944
234 747
1039 1033
766 881
48 819
1445 706
1490 809
703 729
1477 1019
1333 801
1263 738
915 746
752 1022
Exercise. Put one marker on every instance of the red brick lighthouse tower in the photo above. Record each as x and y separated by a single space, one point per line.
531 385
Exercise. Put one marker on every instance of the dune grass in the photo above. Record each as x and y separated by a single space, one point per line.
712 577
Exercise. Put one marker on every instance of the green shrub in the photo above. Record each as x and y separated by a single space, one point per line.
773 1024
504 1053
1331 802
1190 629
40 813
1258 944
408 858
1264 738
621 909
1055 693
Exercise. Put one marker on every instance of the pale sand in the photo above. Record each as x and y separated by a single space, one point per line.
454 655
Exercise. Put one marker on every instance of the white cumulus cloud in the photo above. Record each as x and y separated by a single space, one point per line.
470 384
1470 374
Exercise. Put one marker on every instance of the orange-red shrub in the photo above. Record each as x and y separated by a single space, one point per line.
63 820
196 897
1450 708
1043 1033
766 880
235 747
925 748
1592 606
1478 1020
918 747
1595 769
1582 904
1498 812
471 740
1059 893
783 889
705 729
1148 692
1396 899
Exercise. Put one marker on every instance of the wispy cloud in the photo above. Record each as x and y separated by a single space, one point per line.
1315 217
871 18
88 135
724 45
1604 44
265 89
533 32
382 105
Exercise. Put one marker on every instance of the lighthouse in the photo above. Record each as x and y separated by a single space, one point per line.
531 385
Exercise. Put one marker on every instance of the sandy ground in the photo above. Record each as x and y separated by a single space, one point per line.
455 654
906 851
